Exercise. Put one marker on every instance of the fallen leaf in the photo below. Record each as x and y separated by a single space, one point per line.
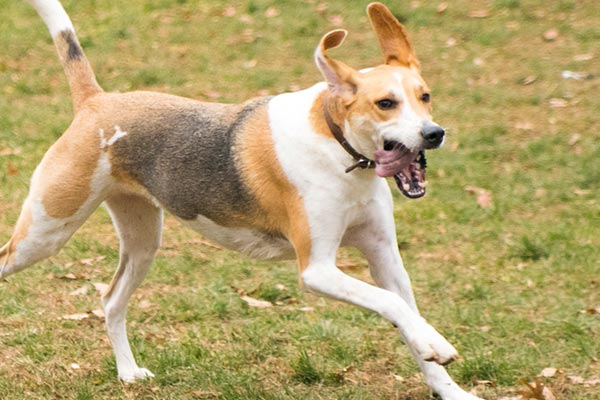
451 42
558 103
528 80
479 14
81 291
578 76
75 366
76 317
524 126
229 11
252 302
442 7
249 64
11 169
91 261
582 192
583 57
144 304
336 20
548 372
7 151
537 390
98 313
592 382
574 139
307 309
347 264
100 287
484 197
575 380
551 35
272 12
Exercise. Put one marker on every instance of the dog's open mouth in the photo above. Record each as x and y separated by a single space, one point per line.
406 166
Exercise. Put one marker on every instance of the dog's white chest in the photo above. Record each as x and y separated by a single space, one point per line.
251 242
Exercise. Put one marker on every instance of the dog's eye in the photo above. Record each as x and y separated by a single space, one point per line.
386 104
425 97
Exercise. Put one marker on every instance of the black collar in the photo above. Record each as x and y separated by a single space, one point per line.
362 161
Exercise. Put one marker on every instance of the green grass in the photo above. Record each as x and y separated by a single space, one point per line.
508 284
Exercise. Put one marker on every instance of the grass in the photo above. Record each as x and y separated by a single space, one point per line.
508 284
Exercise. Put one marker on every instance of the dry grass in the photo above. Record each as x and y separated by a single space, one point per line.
509 284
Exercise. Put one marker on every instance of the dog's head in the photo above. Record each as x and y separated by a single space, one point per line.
385 111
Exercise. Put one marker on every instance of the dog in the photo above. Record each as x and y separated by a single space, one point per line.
294 175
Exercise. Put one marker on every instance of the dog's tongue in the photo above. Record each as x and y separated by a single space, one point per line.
392 162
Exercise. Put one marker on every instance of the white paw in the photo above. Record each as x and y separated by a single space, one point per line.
431 346
458 394
138 374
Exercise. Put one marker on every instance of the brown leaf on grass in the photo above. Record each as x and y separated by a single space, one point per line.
576 380
479 14
574 139
558 103
591 311
548 372
537 390
583 57
336 20
348 264
272 12
551 35
484 196
81 291
229 11
98 313
76 317
100 287
7 151
256 303
442 7
11 169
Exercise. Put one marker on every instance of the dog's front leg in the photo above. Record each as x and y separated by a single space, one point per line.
375 237
321 275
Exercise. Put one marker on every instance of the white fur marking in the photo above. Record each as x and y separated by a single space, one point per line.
247 241
118 135
54 16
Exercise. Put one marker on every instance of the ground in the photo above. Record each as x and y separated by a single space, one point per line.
503 251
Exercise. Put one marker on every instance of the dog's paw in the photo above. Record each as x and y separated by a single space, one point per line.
431 346
135 375
458 394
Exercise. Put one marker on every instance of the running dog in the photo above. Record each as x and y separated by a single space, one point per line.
294 175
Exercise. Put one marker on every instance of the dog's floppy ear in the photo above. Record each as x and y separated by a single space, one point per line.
341 78
392 37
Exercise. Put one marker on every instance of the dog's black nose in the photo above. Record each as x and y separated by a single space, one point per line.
433 134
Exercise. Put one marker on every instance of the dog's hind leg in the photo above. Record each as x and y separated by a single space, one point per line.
65 189
138 223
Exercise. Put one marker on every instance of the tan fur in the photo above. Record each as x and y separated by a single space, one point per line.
374 86
80 75
392 37
67 168
8 250
281 208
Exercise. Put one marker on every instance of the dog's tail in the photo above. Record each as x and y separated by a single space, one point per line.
80 75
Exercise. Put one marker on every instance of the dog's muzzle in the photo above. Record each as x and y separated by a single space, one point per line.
433 135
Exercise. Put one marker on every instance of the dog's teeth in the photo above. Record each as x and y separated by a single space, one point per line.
406 186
